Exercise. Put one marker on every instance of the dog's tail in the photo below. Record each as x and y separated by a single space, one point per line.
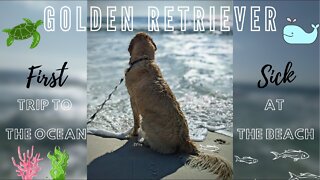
214 164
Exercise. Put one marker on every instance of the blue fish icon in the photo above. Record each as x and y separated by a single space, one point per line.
294 34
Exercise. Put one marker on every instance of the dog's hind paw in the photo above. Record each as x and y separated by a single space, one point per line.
133 134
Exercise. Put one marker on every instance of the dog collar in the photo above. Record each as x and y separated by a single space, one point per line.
142 58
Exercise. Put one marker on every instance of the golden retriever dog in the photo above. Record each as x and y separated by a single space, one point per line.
157 111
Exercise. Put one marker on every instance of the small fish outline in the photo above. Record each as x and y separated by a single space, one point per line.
246 159
211 148
303 176
291 153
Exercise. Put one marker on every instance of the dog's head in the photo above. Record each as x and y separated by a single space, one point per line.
142 44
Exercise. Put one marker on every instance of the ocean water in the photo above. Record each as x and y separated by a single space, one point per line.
197 67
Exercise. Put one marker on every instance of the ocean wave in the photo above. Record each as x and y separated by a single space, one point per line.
197 67
203 114
141 24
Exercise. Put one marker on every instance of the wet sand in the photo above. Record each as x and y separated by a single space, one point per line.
111 158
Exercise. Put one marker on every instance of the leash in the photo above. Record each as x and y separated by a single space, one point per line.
100 107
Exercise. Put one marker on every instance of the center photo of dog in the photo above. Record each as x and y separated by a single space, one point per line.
159 103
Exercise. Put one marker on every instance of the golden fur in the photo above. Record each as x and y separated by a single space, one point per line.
156 109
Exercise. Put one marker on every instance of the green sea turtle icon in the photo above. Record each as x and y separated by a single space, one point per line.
24 31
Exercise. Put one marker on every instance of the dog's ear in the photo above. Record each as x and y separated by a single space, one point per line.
130 46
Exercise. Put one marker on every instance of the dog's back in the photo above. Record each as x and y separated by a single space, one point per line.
162 119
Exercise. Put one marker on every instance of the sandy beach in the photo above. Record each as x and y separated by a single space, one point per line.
110 158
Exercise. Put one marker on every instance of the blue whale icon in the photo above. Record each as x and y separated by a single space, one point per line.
294 34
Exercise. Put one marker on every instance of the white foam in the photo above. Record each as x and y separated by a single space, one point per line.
225 132
105 133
